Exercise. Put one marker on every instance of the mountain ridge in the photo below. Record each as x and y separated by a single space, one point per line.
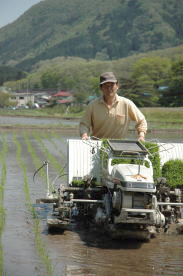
99 29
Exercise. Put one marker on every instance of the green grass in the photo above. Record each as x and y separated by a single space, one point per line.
56 112
163 115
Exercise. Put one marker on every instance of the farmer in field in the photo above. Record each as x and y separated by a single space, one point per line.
110 115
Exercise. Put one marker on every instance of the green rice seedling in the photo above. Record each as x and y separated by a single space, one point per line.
2 184
56 135
60 138
36 161
172 170
154 157
55 163
48 137
2 221
36 229
22 166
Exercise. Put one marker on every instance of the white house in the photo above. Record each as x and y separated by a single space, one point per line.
22 98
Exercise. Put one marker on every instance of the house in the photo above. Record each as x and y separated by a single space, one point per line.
22 99
42 99
62 94
63 97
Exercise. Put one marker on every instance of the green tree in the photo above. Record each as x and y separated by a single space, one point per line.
93 83
8 73
50 79
150 73
174 95
4 99
137 92
80 97
156 69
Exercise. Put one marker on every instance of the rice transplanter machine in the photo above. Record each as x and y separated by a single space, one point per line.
106 191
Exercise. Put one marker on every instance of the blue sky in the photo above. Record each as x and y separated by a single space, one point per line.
10 10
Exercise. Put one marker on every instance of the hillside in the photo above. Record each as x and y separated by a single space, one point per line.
8 73
99 29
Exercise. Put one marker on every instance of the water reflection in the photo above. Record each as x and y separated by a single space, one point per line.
81 253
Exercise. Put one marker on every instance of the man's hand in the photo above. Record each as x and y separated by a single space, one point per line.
141 137
84 136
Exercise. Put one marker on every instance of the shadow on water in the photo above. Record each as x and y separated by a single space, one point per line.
91 236
96 238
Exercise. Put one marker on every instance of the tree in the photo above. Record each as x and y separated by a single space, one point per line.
174 94
137 92
155 68
50 79
80 97
8 73
150 73
94 88
4 99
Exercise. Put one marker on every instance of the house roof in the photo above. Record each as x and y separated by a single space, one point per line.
22 94
65 101
63 93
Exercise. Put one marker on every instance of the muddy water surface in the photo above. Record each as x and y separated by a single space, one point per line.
77 251
29 121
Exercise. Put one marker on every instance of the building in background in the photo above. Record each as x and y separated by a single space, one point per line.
22 99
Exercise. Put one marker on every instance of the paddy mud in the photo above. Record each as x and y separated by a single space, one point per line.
77 251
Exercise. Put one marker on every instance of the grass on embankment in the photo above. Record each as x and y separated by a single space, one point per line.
55 112
162 114
164 118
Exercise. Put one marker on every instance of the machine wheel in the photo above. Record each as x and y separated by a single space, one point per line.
117 202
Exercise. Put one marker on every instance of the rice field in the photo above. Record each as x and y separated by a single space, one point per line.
27 150
26 247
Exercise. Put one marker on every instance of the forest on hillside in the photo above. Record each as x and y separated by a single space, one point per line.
153 79
9 73
66 45
97 29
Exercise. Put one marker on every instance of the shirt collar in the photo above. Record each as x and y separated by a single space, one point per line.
101 99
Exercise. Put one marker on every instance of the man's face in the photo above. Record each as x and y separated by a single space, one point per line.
109 89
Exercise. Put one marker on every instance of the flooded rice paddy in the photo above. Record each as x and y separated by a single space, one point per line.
30 121
26 246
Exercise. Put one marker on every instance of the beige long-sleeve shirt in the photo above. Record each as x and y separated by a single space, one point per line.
103 122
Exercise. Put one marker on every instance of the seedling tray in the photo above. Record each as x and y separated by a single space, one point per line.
127 147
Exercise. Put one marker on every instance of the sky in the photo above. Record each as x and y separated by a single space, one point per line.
10 10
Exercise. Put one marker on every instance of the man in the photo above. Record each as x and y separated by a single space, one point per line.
110 115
